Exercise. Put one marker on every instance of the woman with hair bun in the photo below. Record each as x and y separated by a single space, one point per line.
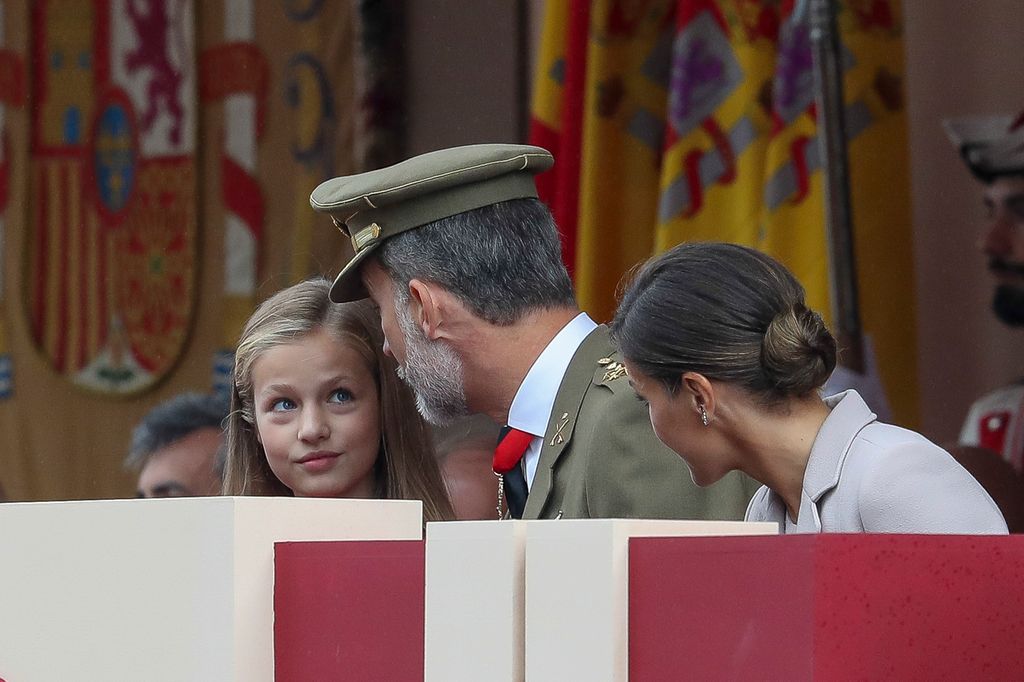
716 338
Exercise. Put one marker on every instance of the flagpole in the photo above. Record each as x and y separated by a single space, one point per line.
831 110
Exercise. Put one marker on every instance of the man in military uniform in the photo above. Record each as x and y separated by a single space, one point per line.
993 149
464 263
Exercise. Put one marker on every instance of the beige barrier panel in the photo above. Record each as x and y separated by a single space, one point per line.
474 601
169 589
577 592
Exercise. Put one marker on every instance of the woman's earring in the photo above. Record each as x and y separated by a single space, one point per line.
703 416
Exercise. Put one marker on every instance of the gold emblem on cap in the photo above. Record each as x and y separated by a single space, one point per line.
365 236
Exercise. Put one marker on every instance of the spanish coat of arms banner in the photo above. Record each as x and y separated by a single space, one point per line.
109 282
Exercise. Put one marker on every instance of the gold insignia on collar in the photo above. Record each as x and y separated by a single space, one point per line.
605 361
558 438
615 371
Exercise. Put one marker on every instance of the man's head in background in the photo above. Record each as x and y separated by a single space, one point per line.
465 450
176 447
993 149
1003 243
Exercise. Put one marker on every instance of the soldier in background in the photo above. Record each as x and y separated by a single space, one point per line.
993 149
176 447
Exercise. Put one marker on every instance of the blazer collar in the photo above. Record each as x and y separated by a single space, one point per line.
849 414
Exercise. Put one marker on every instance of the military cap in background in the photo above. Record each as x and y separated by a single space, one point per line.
990 145
372 207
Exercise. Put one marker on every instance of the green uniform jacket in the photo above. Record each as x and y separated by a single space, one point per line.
601 459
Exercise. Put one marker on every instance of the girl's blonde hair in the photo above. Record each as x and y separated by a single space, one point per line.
406 467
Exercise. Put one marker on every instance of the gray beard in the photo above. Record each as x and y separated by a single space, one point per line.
434 373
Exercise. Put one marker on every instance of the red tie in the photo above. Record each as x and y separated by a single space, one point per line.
512 445
510 450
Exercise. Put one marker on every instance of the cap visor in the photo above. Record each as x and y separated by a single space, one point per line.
348 285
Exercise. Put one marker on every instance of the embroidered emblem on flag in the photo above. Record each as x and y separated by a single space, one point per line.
111 275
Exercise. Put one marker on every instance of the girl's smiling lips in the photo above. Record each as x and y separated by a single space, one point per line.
321 459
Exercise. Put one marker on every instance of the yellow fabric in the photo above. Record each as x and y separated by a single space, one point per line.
619 180
547 95
626 183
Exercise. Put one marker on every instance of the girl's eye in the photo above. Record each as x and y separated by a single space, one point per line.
340 396
282 405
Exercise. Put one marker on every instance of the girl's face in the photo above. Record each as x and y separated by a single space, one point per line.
318 416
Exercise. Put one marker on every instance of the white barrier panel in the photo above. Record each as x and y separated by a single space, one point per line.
171 589
577 592
474 601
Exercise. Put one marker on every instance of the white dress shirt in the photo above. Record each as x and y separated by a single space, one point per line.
531 408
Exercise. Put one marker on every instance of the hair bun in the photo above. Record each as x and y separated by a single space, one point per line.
798 353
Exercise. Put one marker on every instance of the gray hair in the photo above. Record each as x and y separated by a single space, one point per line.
502 260
172 420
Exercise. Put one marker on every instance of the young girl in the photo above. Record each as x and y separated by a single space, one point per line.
317 409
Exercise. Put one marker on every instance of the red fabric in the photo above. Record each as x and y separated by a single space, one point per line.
826 607
12 79
510 450
349 610
560 188
803 174
242 195
4 173
235 68
992 429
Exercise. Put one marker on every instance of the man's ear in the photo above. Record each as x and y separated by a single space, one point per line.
699 391
427 307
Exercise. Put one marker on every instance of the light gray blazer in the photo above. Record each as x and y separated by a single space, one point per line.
865 476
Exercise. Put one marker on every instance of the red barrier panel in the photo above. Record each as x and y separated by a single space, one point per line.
348 610
826 607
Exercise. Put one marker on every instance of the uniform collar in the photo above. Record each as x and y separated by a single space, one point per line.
531 408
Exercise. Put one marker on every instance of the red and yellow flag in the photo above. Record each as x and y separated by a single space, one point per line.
688 120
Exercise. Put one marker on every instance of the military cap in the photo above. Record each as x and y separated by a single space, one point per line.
991 146
372 207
